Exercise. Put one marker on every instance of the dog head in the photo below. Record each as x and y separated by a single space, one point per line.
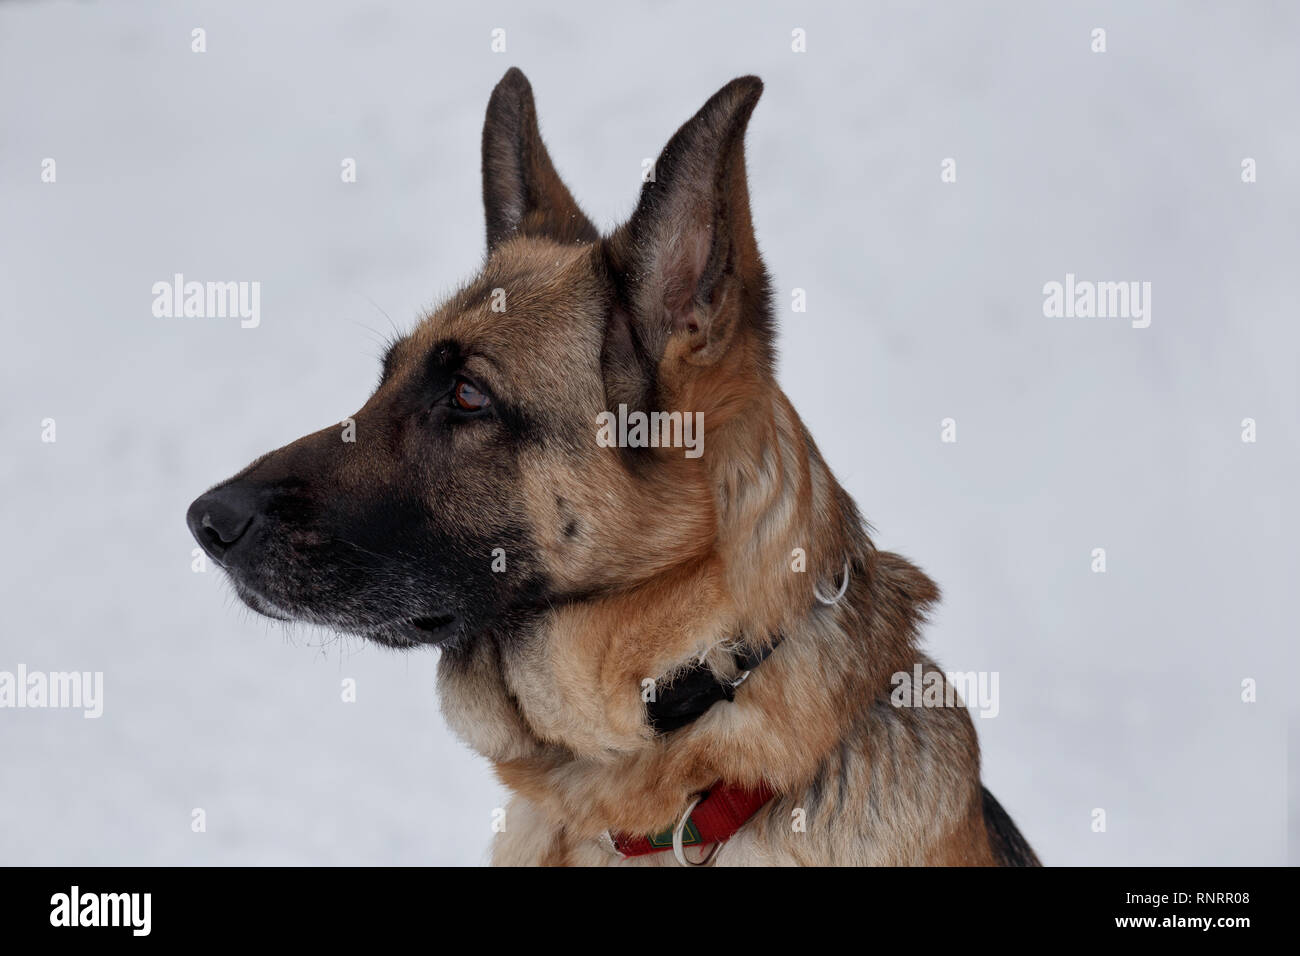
475 487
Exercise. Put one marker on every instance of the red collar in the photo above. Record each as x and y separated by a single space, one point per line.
714 819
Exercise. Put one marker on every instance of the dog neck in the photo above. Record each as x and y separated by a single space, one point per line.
561 711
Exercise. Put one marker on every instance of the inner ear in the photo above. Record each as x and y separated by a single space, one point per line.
683 264
522 193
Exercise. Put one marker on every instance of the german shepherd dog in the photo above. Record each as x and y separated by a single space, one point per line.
672 651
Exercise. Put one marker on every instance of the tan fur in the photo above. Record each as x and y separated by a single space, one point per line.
702 556
686 555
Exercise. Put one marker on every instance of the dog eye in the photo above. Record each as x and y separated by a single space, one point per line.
468 398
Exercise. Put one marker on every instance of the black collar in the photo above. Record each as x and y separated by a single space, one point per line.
695 690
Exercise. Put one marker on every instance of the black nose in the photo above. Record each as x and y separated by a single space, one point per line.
220 519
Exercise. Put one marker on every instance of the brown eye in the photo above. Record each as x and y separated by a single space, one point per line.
467 397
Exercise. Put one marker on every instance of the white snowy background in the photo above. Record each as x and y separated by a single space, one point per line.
1119 691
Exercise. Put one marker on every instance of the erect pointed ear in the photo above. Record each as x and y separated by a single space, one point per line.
687 261
522 193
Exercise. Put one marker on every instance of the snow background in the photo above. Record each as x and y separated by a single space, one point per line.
1119 691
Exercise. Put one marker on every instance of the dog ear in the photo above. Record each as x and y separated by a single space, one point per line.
522 193
687 261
